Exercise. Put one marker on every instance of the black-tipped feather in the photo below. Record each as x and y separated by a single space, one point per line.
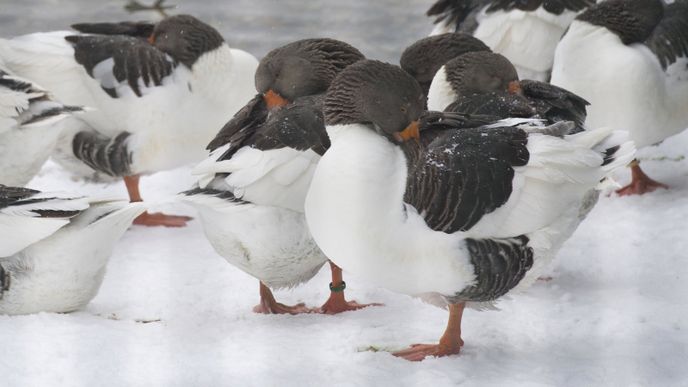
104 154
299 125
224 195
669 40
141 29
463 175
243 124
499 264
556 104
134 61
462 13
41 106
18 196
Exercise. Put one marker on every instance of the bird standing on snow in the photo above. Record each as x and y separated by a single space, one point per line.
160 91
250 197
526 32
28 127
629 58
468 214
54 248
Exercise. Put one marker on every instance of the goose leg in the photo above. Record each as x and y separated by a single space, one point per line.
156 218
268 304
337 303
450 343
640 182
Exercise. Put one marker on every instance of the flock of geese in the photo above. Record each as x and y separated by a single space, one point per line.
459 173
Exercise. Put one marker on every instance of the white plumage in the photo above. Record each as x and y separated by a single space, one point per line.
29 127
356 213
267 237
625 84
170 124
527 38
58 264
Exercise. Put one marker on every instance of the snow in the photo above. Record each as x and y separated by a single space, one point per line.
172 312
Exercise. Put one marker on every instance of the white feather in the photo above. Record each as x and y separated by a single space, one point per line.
63 272
21 226
626 86
270 243
527 38
355 212
170 125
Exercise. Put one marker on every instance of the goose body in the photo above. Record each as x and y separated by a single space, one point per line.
162 123
629 59
647 98
251 194
55 248
525 32
29 127
399 250
468 212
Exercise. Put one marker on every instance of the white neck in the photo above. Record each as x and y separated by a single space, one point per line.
218 75
356 214
440 94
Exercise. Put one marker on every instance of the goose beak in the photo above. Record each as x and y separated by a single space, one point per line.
514 88
274 100
411 131
151 39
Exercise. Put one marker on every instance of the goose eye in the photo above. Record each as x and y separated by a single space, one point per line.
403 109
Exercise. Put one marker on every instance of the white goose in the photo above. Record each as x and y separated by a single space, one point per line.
29 128
526 32
629 58
160 91
253 186
466 213
54 248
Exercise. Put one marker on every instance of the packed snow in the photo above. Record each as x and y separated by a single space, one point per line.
172 312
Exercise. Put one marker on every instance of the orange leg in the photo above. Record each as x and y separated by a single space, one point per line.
337 303
154 219
450 343
640 182
268 304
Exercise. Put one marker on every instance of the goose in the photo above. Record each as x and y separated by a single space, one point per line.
526 32
487 83
629 58
252 187
29 127
54 248
159 92
424 58
471 214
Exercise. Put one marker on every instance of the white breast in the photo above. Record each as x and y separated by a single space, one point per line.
440 94
527 39
626 86
355 212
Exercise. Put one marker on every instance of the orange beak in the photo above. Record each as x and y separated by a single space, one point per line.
151 39
273 99
411 131
514 88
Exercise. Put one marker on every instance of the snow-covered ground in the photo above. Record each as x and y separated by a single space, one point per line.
171 312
